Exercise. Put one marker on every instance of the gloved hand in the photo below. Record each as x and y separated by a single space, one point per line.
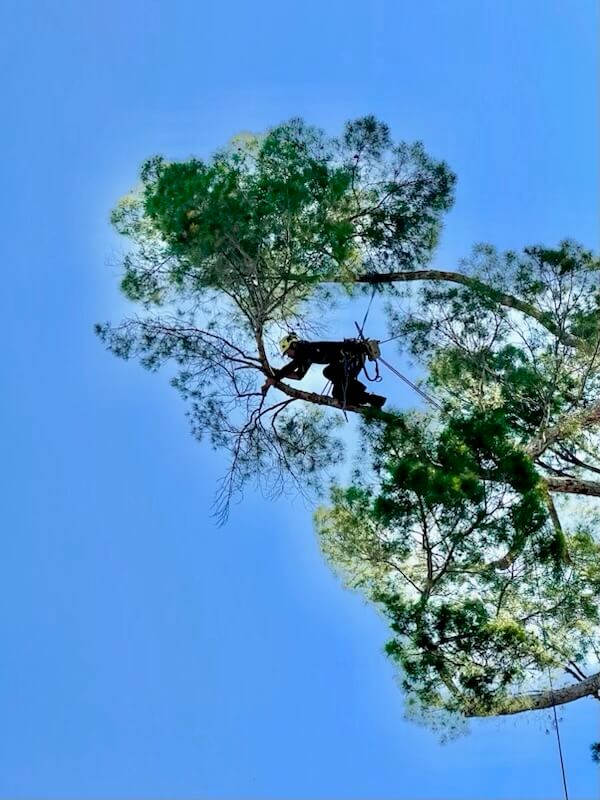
267 384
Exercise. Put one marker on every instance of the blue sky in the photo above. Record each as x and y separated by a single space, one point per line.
147 653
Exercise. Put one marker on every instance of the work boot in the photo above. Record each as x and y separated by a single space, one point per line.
376 400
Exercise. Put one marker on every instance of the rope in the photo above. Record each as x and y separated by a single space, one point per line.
560 752
556 725
346 379
413 386
364 322
392 338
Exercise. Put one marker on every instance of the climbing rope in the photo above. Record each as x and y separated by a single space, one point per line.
556 725
364 322
560 752
427 397
391 339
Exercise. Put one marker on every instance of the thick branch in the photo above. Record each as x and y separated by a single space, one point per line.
503 298
505 561
324 400
573 486
540 700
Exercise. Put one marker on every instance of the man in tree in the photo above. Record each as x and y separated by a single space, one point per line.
344 362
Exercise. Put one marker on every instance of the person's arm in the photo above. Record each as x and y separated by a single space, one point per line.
295 370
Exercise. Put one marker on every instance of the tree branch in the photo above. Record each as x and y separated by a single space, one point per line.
324 400
566 455
584 419
537 701
503 298
573 486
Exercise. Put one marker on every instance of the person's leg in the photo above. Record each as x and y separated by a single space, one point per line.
376 400
357 395
349 390
332 374
355 392
339 382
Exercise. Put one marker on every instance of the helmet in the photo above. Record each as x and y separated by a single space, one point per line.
288 341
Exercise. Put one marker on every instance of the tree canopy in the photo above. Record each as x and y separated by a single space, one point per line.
472 526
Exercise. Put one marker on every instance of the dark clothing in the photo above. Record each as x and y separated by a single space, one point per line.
307 353
344 362
345 387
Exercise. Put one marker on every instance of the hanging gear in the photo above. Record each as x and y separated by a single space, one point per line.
377 377
343 373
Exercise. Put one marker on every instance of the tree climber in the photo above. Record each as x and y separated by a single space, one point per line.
344 361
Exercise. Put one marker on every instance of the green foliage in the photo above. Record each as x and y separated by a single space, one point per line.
228 252
456 546
450 526
456 537
269 217
537 365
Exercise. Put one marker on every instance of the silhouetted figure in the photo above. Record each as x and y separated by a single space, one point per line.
344 360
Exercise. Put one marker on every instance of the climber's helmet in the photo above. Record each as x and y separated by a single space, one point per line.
288 341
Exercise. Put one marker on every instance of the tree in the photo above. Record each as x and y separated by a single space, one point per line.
490 583
458 526
229 254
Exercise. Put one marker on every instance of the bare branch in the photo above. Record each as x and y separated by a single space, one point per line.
582 419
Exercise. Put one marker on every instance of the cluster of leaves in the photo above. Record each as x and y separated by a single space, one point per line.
452 538
538 363
272 444
455 533
269 217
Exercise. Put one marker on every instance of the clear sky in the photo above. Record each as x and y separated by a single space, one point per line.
146 653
